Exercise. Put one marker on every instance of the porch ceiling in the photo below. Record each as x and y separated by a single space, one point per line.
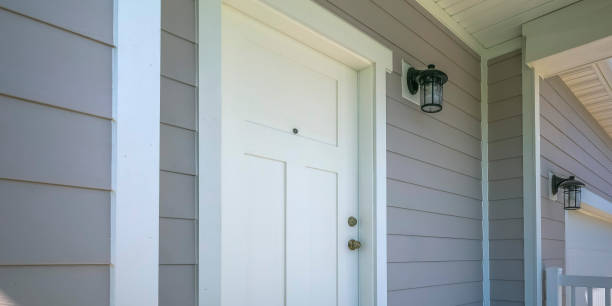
492 27
592 85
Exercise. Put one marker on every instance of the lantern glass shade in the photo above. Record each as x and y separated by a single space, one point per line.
572 191
430 82
572 198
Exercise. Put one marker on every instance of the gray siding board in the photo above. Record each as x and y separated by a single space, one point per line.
557 93
505 109
423 149
178 104
403 168
177 150
507 270
410 196
506 148
507 128
178 160
179 17
177 195
506 229
48 224
506 249
462 100
507 290
506 168
553 249
411 119
94 18
178 58
454 294
553 229
55 67
505 68
564 143
505 179
55 285
551 209
45 144
177 241
555 119
55 161
506 189
506 209
401 249
177 285
417 223
506 89
419 274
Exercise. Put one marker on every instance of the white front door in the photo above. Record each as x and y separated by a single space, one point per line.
289 170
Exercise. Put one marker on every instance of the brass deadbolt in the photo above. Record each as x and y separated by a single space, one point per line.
352 221
354 244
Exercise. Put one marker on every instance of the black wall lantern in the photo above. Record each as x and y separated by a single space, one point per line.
430 82
571 191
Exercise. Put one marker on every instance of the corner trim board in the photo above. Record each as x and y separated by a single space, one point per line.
484 127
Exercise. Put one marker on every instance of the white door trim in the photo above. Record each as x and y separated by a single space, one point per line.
315 26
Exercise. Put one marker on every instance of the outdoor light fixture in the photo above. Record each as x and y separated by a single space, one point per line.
430 82
571 191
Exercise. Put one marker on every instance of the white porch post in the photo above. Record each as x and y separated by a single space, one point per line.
135 197
552 286
532 247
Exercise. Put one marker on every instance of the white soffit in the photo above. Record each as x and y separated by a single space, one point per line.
592 85
490 27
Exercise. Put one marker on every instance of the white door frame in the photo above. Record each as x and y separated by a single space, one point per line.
318 28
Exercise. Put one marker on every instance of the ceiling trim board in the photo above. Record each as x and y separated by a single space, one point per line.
434 9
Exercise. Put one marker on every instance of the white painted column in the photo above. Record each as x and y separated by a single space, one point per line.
532 227
484 135
135 197
209 152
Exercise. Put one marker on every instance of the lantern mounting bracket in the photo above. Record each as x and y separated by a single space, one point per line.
413 85
556 181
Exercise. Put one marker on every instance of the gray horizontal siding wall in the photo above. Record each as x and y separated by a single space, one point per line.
571 143
434 174
55 156
505 180
177 194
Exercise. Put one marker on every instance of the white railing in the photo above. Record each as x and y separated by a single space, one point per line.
555 280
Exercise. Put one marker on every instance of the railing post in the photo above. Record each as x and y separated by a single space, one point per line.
553 275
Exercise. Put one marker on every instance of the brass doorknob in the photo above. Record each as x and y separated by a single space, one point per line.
354 244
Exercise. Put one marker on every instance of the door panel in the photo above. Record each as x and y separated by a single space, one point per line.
312 251
286 196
